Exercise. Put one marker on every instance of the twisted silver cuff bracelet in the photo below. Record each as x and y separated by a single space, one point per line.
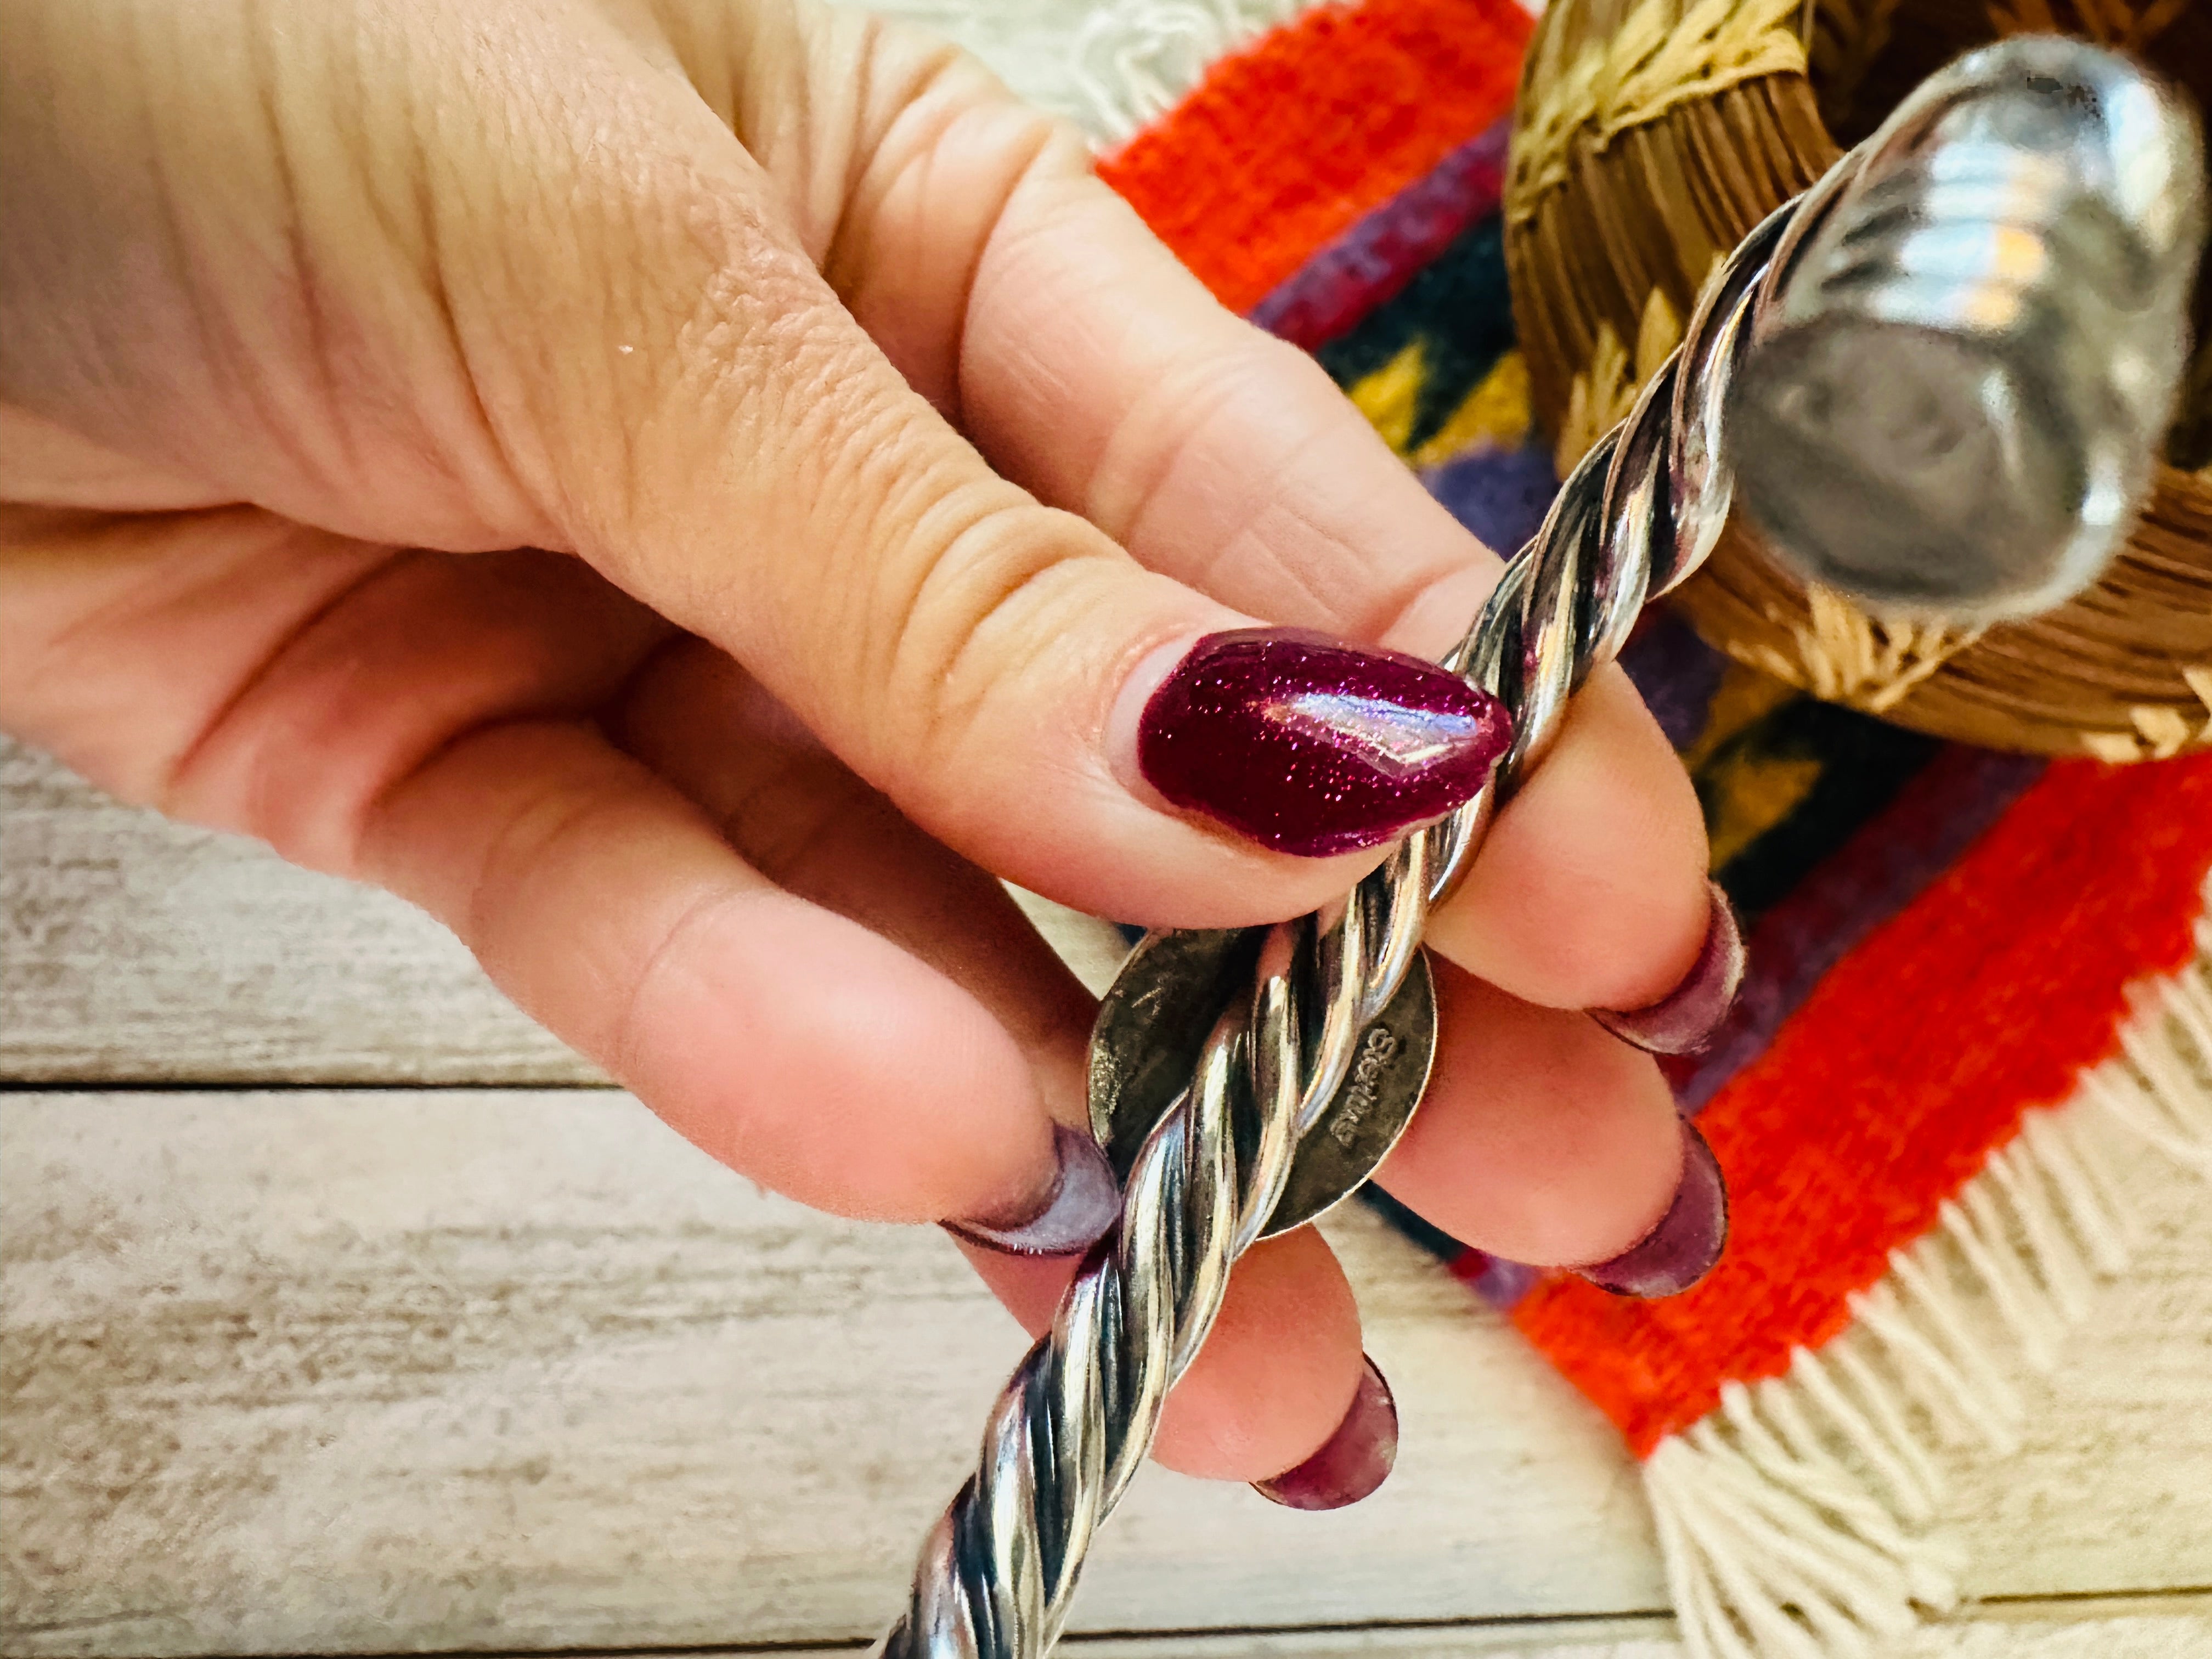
1987 295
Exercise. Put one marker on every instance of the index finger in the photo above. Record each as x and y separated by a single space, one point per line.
1100 373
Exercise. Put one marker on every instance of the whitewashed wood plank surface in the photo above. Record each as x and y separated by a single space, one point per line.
135 950
2178 1627
398 1369
2151 1628
407 1370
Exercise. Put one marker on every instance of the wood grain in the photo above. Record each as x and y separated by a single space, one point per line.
414 1370
2159 1628
135 950
2178 1628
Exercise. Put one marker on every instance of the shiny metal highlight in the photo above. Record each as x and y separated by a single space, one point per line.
1952 407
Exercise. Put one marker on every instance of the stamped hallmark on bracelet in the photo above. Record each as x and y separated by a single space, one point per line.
1361 1090
1155 1019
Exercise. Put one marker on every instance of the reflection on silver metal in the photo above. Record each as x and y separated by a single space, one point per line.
1152 1027
1267 1052
1952 407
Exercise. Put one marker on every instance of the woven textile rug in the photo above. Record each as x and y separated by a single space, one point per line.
1969 969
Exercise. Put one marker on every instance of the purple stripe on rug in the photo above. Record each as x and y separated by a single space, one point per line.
1496 1280
1946 806
1368 264
1675 673
1501 495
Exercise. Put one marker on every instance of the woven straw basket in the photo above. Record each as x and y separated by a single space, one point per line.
1653 134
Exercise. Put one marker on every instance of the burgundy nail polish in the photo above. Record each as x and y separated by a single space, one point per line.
1311 747
1688 1240
1685 1020
1353 1461
1074 1213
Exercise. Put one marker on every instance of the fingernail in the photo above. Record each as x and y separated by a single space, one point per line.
1071 1214
1313 748
1684 1020
1353 1461
1688 1240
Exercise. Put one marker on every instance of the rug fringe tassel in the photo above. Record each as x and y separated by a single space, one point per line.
1134 61
1794 1519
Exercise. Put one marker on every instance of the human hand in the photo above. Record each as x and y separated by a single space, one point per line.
682 490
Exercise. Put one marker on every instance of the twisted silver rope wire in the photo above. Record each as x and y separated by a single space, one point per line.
1067 1433
1639 513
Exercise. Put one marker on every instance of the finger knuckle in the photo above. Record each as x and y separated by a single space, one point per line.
990 588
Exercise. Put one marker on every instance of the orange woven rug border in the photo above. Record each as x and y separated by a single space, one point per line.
1914 1059
1288 141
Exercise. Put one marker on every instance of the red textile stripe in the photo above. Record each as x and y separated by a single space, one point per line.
1284 143
1910 1063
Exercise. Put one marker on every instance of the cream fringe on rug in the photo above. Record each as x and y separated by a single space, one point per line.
1131 61
1795 1519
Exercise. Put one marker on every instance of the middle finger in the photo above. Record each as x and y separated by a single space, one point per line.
1544 1139
1283 1364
